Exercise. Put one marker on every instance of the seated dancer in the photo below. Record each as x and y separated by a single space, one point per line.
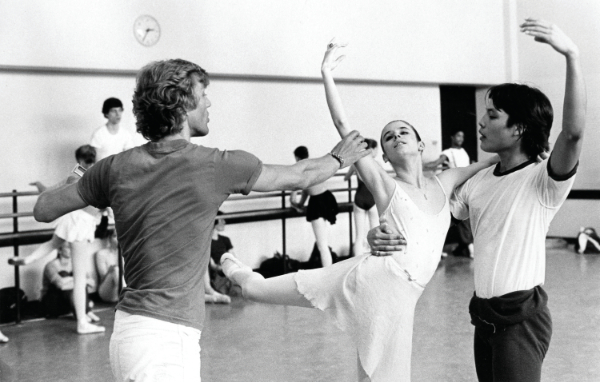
322 210
364 207
373 298
77 228
57 286
216 285
107 267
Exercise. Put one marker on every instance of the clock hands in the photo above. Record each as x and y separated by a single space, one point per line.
145 34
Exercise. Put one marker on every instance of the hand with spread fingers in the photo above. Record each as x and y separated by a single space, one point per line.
332 57
384 242
546 32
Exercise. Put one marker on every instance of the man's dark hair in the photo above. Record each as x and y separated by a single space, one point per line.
86 153
110 103
301 152
530 110
164 93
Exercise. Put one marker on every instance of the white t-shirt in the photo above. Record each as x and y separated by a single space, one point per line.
457 157
108 144
510 214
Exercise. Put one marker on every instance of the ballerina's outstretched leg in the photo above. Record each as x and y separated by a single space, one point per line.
279 290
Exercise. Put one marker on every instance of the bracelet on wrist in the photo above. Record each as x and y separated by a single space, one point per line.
338 158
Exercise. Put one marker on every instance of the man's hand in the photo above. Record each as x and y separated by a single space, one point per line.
351 149
384 242
546 32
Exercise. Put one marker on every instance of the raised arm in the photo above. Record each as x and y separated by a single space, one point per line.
570 140
377 180
454 177
308 172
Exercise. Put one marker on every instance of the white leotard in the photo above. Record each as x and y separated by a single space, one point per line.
374 298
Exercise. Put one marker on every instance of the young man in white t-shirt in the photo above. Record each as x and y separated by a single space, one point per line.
110 138
454 156
511 206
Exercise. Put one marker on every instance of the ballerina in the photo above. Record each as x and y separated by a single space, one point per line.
373 298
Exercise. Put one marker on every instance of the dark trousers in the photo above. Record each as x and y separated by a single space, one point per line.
513 353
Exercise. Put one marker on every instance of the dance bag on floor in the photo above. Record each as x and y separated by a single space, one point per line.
275 266
587 241
8 303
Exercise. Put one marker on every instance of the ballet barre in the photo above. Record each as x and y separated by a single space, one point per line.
17 238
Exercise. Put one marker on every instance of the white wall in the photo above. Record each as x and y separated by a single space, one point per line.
416 41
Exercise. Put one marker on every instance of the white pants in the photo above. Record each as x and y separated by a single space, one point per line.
144 349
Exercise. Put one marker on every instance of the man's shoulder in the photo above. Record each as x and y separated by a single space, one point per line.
483 175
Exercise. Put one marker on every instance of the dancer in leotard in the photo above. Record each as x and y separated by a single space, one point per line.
322 210
365 215
77 228
373 298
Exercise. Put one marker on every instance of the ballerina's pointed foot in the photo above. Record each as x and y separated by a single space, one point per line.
232 266
3 338
88 328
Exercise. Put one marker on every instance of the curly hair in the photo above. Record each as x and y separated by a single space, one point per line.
164 92
530 110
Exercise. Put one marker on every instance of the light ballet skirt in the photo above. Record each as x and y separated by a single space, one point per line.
78 225
373 298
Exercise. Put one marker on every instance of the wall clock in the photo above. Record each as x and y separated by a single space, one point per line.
146 30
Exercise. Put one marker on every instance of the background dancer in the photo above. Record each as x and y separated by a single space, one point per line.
77 228
363 208
321 211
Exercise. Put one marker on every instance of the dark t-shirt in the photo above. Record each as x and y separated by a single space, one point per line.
219 247
165 197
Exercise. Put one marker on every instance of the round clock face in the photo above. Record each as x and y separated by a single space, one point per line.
146 30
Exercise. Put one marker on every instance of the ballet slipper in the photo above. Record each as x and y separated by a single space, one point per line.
86 328
231 265
3 338
92 316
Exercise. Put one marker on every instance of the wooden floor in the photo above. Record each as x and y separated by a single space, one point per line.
250 342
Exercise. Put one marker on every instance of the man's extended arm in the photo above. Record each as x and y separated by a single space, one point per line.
308 172
569 142
55 203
